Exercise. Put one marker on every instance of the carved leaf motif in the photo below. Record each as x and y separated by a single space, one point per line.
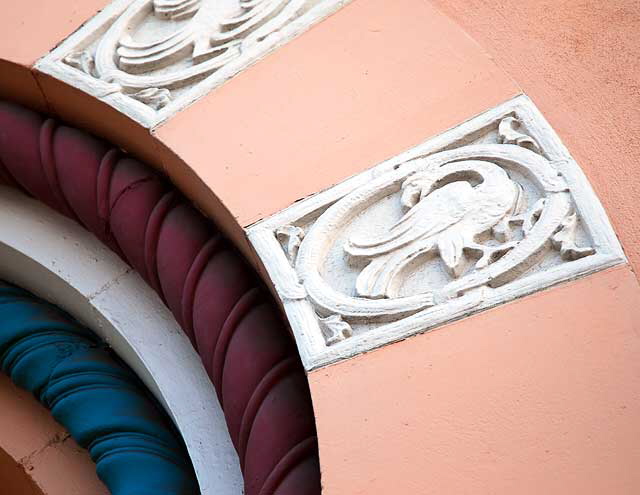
154 97
335 329
565 240
507 130
81 60
293 236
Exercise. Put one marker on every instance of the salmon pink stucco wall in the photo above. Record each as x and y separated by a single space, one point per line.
28 31
536 396
579 62
540 396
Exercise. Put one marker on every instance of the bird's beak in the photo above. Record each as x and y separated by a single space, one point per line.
410 195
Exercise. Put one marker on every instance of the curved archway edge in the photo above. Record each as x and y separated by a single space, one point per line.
56 258
237 330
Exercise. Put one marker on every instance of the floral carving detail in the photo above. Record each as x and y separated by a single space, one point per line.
509 134
83 61
565 240
154 97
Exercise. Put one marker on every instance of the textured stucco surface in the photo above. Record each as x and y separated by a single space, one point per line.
578 60
510 401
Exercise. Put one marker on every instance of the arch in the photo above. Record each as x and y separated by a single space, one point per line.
242 340
55 258
98 399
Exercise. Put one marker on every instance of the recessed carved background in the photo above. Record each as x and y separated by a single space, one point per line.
492 210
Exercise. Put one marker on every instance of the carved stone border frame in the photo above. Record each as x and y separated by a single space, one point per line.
311 343
52 63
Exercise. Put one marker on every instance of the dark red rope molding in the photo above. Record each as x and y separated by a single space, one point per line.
217 299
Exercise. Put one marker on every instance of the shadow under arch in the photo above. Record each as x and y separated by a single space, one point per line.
220 304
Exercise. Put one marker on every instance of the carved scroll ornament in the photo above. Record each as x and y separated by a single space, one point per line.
154 51
483 215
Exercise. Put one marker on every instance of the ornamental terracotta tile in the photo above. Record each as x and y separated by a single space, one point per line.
151 58
489 211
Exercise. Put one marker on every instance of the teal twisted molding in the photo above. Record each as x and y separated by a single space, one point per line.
102 404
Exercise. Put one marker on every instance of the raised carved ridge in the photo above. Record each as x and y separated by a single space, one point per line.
489 211
213 294
143 55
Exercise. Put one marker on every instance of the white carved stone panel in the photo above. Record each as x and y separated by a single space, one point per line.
151 58
487 212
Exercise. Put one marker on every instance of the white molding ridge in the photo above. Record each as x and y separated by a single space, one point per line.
58 260
489 211
151 58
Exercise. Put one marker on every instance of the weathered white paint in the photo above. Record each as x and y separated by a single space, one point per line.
60 261
350 263
151 58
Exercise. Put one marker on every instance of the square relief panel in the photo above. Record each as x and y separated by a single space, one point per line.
151 58
487 212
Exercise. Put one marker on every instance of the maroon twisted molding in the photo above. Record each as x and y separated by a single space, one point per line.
215 297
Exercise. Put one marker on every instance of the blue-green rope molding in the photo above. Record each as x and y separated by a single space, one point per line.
99 400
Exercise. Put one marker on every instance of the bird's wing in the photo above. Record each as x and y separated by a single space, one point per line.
441 209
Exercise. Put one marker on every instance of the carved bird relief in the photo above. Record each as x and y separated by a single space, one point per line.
448 209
